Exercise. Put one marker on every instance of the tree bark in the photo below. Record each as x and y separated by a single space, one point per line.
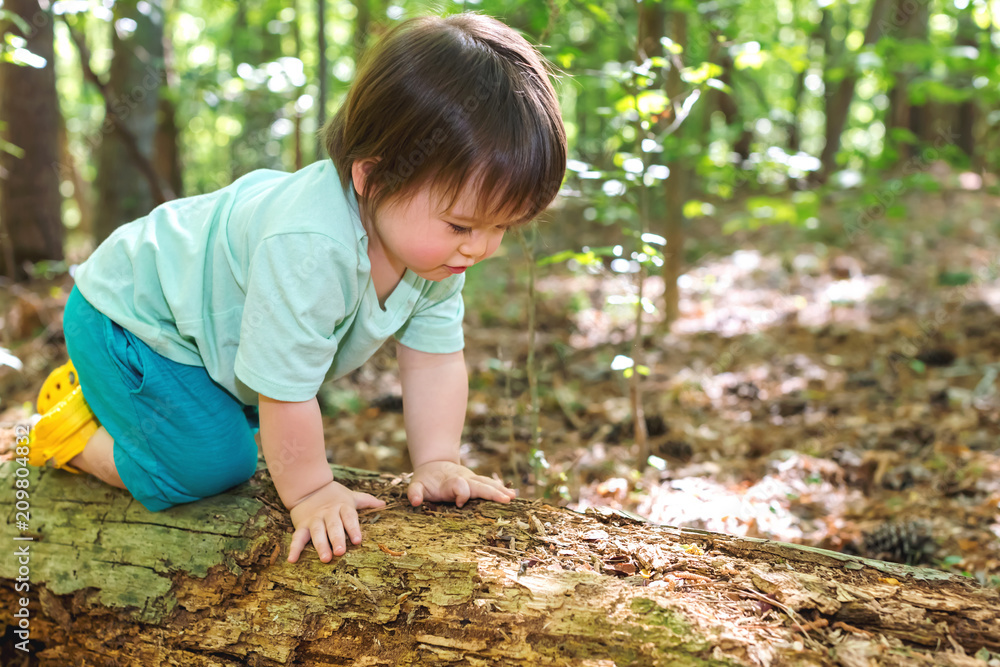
322 67
134 87
907 21
207 584
839 103
675 186
30 204
166 146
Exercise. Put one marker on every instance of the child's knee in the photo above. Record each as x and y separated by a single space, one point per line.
225 470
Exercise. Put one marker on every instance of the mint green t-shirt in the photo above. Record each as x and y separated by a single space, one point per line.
267 284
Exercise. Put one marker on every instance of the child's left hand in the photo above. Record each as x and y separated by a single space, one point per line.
443 481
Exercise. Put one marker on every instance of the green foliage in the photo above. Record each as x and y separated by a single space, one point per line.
754 77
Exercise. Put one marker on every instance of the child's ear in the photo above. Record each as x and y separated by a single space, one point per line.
359 173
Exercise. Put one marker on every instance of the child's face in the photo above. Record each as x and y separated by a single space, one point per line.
418 234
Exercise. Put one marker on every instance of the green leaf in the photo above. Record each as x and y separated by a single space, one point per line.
598 12
7 15
772 210
562 256
627 373
918 366
902 135
671 46
897 212
10 148
922 91
695 209
718 85
701 73
565 59
648 102
954 278
748 60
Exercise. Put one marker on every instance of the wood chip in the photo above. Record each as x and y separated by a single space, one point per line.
360 585
850 628
390 551
812 625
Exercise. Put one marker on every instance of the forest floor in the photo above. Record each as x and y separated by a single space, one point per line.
820 386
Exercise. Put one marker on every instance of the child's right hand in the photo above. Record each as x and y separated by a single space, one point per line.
325 516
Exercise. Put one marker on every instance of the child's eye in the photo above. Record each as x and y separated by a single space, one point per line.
460 230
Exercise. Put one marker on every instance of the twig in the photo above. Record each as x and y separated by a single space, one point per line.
798 623
812 625
635 388
558 392
389 551
360 585
850 628
532 371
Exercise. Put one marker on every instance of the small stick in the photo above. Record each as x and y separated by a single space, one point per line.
813 625
390 551
852 629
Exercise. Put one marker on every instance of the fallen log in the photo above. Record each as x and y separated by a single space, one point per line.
207 584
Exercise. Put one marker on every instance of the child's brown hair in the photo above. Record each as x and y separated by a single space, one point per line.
455 101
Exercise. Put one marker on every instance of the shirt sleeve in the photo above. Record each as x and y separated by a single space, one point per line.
299 287
436 323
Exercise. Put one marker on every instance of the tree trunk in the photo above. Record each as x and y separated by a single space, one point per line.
521 584
839 103
166 146
967 113
296 108
650 32
676 185
166 150
69 171
134 85
30 204
322 67
726 103
362 26
908 21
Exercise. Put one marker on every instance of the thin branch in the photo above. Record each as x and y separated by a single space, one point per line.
161 192
536 431
638 342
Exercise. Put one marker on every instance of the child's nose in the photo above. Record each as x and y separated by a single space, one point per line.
477 245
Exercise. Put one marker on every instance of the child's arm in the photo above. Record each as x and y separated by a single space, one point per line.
322 510
435 394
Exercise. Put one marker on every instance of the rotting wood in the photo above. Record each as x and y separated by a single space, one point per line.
208 584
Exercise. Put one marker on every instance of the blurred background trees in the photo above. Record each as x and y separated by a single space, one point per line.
684 105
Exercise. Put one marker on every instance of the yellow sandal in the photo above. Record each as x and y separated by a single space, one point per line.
57 386
67 424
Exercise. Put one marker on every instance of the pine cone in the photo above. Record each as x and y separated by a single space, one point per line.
909 542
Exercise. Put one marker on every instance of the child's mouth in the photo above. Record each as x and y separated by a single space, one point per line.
456 269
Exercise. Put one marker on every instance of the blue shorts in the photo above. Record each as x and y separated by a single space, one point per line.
179 436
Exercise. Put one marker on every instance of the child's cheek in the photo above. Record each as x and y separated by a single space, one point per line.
493 247
430 254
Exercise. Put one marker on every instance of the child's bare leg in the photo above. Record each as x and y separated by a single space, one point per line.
98 459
